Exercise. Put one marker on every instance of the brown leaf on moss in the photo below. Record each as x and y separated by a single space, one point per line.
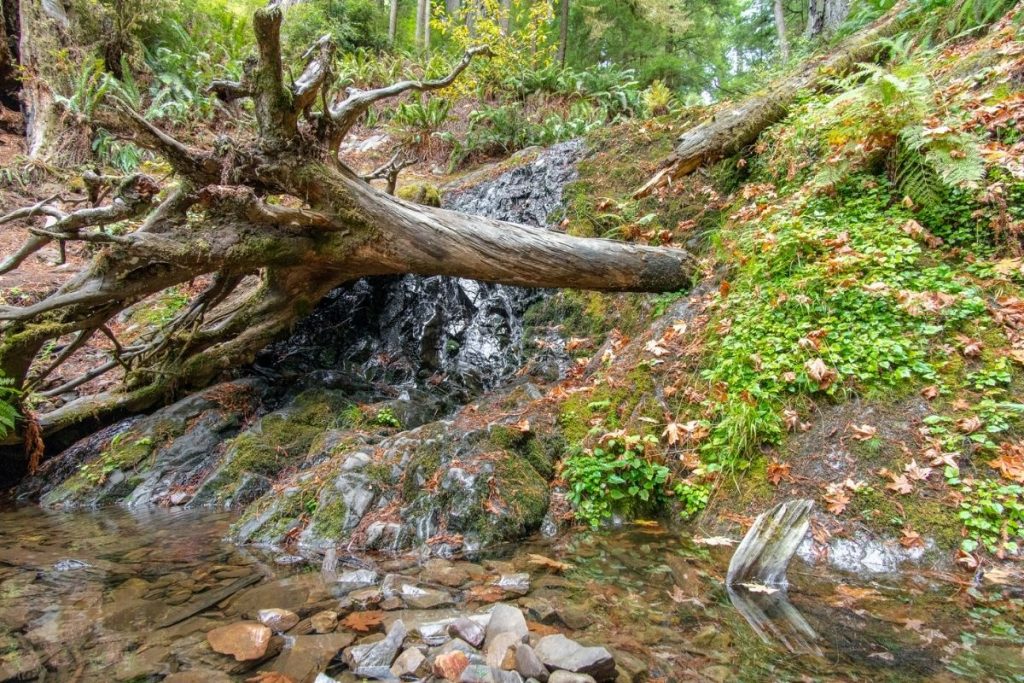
930 392
969 425
900 484
911 539
778 471
836 499
1010 462
863 432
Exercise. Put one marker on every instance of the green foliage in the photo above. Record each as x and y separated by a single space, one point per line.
415 122
616 478
993 514
353 24
385 417
87 90
8 405
692 497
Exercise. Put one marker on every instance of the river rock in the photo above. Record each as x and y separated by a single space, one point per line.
198 676
379 654
324 622
528 663
507 619
424 598
245 641
309 655
445 573
575 618
359 578
468 630
408 662
500 650
570 677
558 652
277 619
450 665
517 584
481 673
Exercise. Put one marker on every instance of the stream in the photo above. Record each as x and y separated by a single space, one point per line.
202 538
85 595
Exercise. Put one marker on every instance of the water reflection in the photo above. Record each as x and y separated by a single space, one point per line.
775 619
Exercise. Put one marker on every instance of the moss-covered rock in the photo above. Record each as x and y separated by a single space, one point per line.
421 193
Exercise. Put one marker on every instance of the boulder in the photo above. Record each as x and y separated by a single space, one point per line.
245 640
468 630
507 619
528 664
277 619
558 652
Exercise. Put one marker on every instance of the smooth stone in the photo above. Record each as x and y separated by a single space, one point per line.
358 577
309 655
528 664
558 652
277 619
518 584
444 573
498 649
575 618
481 673
245 640
468 630
450 665
198 676
324 622
507 619
570 677
538 609
379 654
424 598
408 662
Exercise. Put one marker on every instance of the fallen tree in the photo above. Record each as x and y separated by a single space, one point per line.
284 207
732 128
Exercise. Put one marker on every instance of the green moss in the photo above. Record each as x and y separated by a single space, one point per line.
887 515
522 497
421 468
329 518
421 193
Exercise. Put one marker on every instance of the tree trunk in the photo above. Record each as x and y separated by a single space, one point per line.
563 31
734 127
780 29
8 53
393 22
426 25
452 7
506 16
419 23
825 16
331 227
42 25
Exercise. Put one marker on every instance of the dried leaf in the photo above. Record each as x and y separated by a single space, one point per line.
1010 462
900 484
911 539
930 392
836 498
820 373
969 425
778 471
363 622
863 432
655 348
916 472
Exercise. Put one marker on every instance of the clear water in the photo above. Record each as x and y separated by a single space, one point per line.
84 594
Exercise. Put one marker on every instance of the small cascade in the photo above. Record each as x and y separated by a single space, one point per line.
450 336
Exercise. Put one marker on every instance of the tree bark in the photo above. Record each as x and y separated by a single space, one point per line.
780 29
734 127
8 52
563 31
41 24
393 22
506 16
327 226
825 16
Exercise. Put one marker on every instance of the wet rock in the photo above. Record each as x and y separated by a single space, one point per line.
574 617
516 584
865 554
309 655
359 578
538 609
70 565
468 630
408 662
445 573
450 665
277 619
244 641
501 650
570 677
528 664
481 673
379 654
424 598
559 652
324 622
198 676
507 619
142 664
391 603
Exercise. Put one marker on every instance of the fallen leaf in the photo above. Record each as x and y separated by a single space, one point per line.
970 347
363 622
911 539
863 432
778 471
900 484
1010 462
820 373
916 472
790 418
837 499
673 433
930 392
966 560
655 348
969 425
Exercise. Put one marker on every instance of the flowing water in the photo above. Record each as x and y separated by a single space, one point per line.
91 596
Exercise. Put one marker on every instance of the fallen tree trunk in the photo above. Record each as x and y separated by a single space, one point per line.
283 207
732 128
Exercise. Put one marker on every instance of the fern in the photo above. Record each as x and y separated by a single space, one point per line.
8 400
